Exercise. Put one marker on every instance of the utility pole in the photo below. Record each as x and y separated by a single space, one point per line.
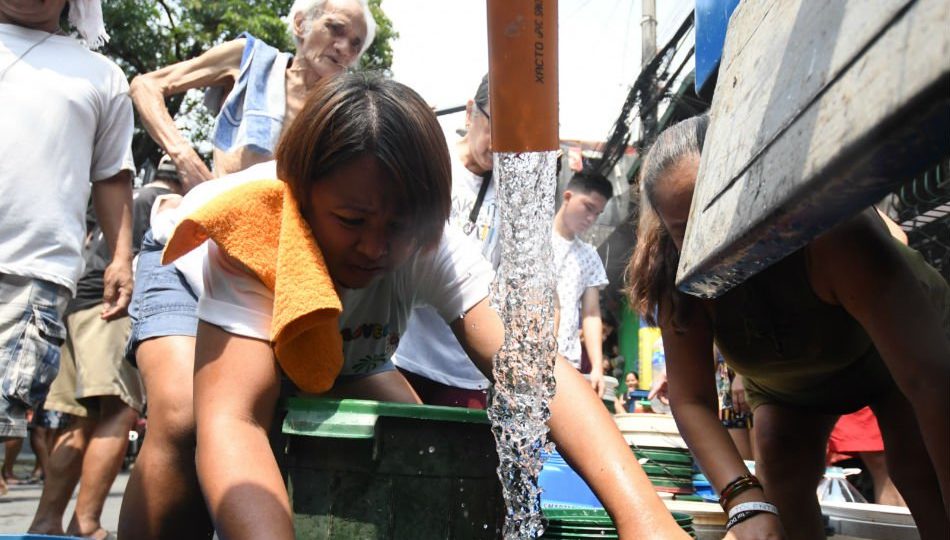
648 45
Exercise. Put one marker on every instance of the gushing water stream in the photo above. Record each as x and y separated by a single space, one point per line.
524 367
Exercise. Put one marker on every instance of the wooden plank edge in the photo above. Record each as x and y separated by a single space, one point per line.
859 177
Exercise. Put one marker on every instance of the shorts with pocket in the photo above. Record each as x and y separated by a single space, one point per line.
93 366
31 334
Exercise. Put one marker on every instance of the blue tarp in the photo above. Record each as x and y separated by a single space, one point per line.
712 20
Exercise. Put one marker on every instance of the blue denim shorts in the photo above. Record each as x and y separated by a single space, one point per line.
31 333
163 304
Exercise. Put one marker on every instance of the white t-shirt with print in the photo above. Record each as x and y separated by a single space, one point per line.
67 121
451 278
577 268
429 347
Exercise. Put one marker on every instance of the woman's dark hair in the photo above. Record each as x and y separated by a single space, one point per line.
481 94
357 114
651 272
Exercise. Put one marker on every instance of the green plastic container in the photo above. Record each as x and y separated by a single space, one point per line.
363 470
582 523
669 469
653 468
667 456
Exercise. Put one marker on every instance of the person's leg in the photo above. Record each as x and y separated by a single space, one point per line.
885 492
909 464
38 438
101 464
743 441
111 389
62 475
39 434
31 333
162 498
11 449
54 422
790 461
65 463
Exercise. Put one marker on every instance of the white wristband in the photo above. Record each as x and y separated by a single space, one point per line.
753 505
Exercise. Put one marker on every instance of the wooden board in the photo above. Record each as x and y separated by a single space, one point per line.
820 109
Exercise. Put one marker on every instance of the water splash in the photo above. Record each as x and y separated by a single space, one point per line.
524 367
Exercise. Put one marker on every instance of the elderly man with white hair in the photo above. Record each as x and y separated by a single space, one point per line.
67 133
256 90
264 87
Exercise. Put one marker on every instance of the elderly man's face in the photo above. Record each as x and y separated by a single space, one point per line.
478 123
35 14
332 40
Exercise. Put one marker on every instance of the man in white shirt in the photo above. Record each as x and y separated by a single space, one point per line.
68 133
580 273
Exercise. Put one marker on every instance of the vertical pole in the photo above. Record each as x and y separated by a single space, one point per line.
522 75
628 341
648 47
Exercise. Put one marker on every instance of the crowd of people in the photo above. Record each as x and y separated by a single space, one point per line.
339 245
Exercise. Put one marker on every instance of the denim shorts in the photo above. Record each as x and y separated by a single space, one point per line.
163 304
31 333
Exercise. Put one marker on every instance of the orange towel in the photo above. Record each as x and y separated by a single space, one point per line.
259 224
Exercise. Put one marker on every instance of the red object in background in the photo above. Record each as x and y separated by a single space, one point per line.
575 158
854 433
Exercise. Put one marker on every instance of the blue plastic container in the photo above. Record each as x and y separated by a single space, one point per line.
704 489
562 487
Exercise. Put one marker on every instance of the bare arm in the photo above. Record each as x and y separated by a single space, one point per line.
481 334
587 437
691 381
858 265
237 383
216 67
593 337
112 199
585 434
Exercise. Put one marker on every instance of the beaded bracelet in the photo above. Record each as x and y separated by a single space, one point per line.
737 486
